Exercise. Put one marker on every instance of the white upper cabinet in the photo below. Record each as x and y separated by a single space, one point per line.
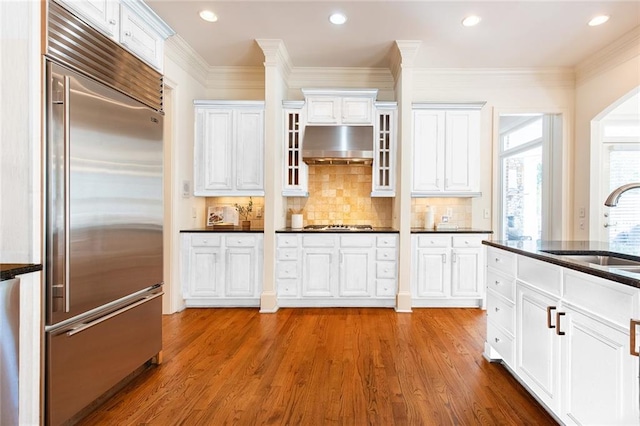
295 179
384 150
129 22
103 15
446 146
229 148
334 107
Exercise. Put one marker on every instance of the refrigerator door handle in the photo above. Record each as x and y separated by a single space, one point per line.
67 189
88 325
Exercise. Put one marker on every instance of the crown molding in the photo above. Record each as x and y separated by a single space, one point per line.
180 52
425 78
618 52
276 55
403 56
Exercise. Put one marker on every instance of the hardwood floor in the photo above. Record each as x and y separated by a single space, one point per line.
320 367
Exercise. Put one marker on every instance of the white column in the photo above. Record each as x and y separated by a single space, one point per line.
276 71
402 69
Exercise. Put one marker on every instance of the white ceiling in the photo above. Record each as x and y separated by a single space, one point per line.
511 34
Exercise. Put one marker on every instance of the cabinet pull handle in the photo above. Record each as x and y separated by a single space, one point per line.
632 336
497 309
498 282
444 258
497 259
558 315
549 309
453 258
497 340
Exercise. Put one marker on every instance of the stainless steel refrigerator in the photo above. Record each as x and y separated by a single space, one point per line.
104 214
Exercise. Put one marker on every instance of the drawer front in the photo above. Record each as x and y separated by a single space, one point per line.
287 288
500 312
543 275
287 270
385 288
386 270
205 240
357 241
318 241
287 240
503 261
467 241
502 284
501 342
287 253
386 241
436 241
241 241
386 254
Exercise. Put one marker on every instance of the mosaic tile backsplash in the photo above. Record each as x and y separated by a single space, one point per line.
341 194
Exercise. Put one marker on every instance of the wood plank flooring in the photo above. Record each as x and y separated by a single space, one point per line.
323 367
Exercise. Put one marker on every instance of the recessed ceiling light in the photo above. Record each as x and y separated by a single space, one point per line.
337 18
471 21
598 20
208 16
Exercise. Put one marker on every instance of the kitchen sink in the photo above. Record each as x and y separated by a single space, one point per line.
599 259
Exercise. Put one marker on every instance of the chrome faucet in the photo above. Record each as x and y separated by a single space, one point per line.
612 199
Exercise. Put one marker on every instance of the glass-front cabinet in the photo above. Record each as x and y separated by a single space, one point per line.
295 170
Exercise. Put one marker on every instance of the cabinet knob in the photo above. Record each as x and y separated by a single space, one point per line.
497 340
127 33
112 21
466 242
204 241
497 259
497 309
386 255
498 282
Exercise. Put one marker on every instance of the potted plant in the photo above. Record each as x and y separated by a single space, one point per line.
244 211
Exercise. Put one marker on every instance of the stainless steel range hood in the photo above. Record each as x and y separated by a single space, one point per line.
338 145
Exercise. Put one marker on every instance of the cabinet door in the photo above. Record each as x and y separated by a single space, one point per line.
466 279
205 277
461 150
433 274
384 159
249 127
137 36
318 272
323 110
356 272
240 272
357 110
101 14
295 170
213 165
428 150
599 376
537 346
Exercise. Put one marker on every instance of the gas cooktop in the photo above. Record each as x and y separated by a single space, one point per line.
338 227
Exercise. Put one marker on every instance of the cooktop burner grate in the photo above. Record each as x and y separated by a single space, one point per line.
339 227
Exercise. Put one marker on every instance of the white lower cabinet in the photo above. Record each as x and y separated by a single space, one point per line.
329 269
447 269
221 269
573 339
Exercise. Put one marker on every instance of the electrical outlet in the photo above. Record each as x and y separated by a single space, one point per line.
260 212
445 219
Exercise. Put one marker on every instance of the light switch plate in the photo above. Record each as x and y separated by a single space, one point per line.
186 189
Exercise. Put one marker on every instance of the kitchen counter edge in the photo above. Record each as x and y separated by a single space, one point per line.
236 230
10 270
338 231
534 250
450 231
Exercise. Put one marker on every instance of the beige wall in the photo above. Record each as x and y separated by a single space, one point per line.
601 81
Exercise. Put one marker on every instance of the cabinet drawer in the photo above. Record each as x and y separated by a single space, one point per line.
386 254
502 284
241 241
467 241
502 260
318 241
357 241
386 241
501 342
287 288
205 240
500 312
287 254
287 269
385 287
287 240
542 275
386 270
433 241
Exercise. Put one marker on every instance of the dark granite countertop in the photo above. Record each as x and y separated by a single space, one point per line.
10 270
235 229
536 250
339 231
450 231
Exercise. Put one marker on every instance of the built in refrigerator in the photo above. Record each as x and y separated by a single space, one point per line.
103 238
